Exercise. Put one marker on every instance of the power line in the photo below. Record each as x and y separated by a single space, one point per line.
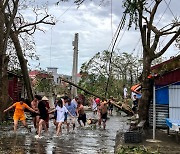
121 37
168 4
65 10
111 20
121 25
111 43
50 51
162 14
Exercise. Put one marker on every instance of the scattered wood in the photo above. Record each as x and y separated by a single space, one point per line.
124 107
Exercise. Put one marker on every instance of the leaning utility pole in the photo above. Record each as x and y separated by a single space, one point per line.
75 66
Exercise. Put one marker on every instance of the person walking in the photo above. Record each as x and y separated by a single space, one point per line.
61 110
103 113
46 101
35 116
125 93
71 107
19 113
42 119
80 113
110 105
94 105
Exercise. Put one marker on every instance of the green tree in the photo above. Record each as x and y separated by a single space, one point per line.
95 73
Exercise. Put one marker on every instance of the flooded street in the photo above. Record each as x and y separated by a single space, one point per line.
83 140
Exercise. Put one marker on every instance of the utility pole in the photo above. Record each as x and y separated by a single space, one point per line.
75 65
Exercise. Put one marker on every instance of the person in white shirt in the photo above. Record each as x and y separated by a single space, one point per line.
125 94
61 110
94 105
125 91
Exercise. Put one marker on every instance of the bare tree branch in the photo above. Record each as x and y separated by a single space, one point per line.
172 27
143 38
146 9
37 22
151 21
172 32
155 30
168 44
154 45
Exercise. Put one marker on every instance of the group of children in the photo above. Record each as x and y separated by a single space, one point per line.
65 112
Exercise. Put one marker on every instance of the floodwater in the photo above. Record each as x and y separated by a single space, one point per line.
85 140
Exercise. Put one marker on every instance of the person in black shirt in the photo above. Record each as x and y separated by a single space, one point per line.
43 113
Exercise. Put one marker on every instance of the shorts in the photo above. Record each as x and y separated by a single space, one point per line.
70 120
55 115
65 116
19 117
82 117
43 116
110 108
104 116
33 114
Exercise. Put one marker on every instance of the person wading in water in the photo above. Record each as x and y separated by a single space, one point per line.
35 116
43 116
103 111
19 113
80 113
61 110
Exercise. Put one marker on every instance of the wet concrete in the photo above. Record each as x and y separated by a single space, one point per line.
86 140
163 143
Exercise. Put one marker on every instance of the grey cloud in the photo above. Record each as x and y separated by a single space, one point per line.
92 22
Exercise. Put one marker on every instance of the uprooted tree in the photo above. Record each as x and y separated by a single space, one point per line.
14 30
142 14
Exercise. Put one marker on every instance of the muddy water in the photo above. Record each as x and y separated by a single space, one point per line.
84 140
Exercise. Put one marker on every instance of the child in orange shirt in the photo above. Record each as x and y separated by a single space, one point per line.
19 113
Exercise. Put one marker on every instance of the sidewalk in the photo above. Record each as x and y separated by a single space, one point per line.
167 144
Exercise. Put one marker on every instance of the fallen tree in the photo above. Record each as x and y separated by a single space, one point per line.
123 107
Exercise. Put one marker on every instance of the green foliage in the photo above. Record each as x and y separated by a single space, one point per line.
132 7
136 150
125 70
43 83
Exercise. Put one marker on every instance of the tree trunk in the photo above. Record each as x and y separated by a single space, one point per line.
23 64
3 70
146 88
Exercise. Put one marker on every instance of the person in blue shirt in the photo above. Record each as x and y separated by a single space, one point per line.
71 107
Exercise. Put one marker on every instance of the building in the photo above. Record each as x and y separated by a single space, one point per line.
54 73
167 93
15 86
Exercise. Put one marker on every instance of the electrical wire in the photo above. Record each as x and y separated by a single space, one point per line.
163 13
121 38
50 51
111 20
168 5
65 10
120 27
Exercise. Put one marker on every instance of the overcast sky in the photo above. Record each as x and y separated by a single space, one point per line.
93 23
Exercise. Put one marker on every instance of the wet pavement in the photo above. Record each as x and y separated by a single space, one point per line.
85 140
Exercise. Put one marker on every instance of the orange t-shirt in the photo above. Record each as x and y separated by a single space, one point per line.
19 108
